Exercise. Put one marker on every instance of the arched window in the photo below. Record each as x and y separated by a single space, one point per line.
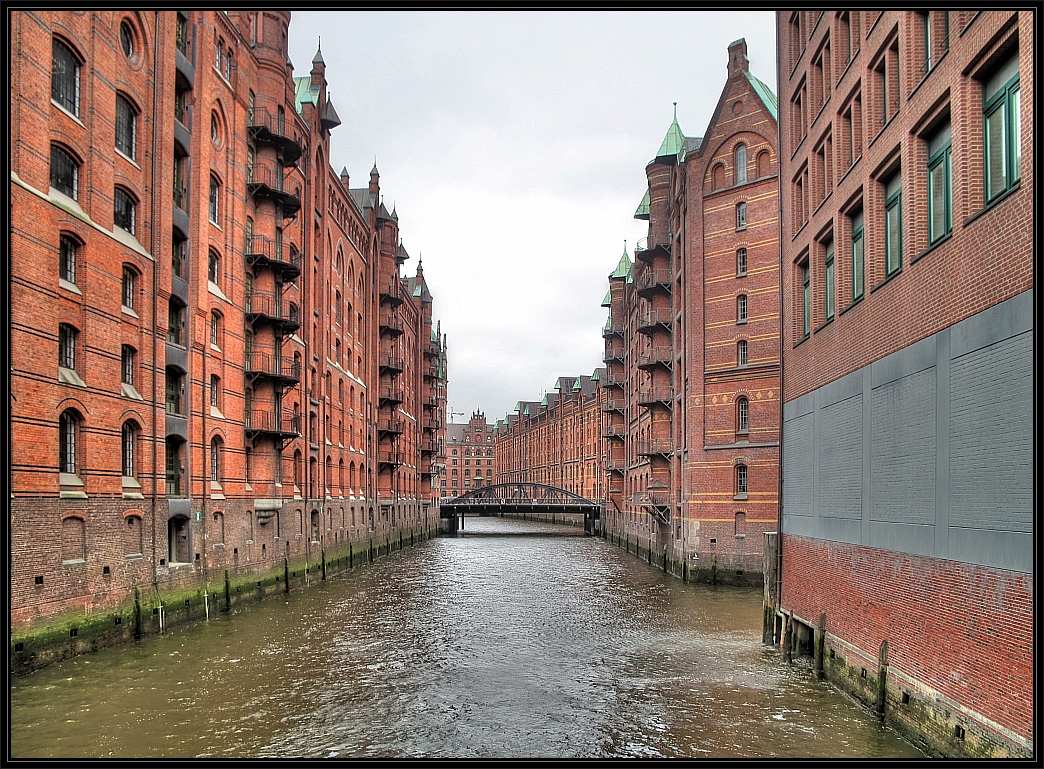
217 533
124 210
215 460
741 352
215 392
68 247
126 126
297 468
129 453
741 262
741 216
214 267
65 77
128 287
741 308
215 329
742 415
132 538
741 481
68 337
65 172
74 539
68 438
127 39
764 164
340 476
741 163
718 177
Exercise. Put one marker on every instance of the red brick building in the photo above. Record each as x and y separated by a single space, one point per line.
242 372
691 390
470 458
907 257
556 441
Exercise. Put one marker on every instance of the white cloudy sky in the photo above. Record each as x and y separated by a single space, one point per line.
514 146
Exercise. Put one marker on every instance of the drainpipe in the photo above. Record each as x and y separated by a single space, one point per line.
155 283
782 362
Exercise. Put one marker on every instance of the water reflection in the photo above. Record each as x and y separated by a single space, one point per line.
471 647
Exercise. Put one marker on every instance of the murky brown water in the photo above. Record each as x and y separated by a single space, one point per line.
488 646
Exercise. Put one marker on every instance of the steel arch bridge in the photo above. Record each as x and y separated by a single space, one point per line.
521 498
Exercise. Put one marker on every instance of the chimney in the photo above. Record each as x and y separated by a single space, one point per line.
738 57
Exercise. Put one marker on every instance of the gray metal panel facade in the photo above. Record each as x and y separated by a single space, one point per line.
928 451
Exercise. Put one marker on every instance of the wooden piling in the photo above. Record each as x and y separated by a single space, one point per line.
882 679
286 575
228 592
820 644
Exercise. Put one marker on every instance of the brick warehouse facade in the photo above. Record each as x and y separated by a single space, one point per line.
906 534
556 441
242 373
470 458
691 390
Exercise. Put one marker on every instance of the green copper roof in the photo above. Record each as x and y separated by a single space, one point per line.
595 377
576 384
765 94
623 267
674 141
608 323
643 208
305 94
630 275
608 299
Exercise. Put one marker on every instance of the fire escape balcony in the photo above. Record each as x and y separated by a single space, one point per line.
390 393
656 356
264 365
390 457
647 249
389 363
655 447
390 426
614 431
616 328
614 404
431 371
615 465
263 307
615 379
614 353
655 396
431 350
427 446
430 401
432 424
268 127
264 182
657 501
390 324
267 252
649 281
391 293
650 319
264 423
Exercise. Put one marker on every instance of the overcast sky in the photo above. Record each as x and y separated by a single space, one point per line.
514 147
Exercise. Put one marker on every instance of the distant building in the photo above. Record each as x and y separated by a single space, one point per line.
216 361
555 441
908 260
470 461
692 346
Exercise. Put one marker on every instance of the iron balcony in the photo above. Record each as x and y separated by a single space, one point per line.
655 395
389 363
653 498
650 319
649 281
614 431
263 423
615 378
427 446
656 356
616 328
390 323
614 352
647 249
391 293
268 128
390 457
391 426
268 252
267 308
285 373
264 182
655 447
614 404
432 424
390 394
615 465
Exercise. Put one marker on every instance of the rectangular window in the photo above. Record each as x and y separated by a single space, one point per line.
128 288
741 308
177 256
806 301
741 479
64 172
741 262
65 77
67 346
182 33
828 279
127 365
741 216
175 392
176 323
940 215
894 224
1002 123
123 210
857 255
215 201
741 352
215 390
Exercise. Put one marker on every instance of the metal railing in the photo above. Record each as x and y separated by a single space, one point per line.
390 425
392 393
650 395
614 404
277 252
655 446
661 355
653 498
267 364
614 431
390 321
389 362
653 317
649 279
264 421
390 457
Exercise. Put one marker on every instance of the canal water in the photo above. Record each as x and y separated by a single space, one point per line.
480 646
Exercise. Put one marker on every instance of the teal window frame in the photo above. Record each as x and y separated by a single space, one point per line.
940 165
1006 102
858 257
893 227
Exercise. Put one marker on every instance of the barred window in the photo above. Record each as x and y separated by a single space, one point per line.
67 346
126 126
65 77
65 172
123 210
67 248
